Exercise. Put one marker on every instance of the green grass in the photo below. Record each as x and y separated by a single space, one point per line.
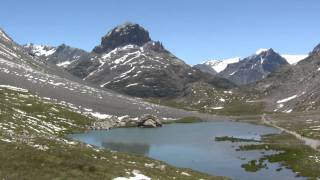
292 153
234 139
254 165
39 148
238 108
204 98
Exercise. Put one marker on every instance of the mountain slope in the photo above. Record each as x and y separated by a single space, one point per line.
254 68
19 69
294 88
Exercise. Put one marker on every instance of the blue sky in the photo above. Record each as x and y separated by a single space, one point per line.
194 30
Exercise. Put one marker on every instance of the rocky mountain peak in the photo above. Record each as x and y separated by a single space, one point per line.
255 67
64 47
316 51
267 56
125 34
265 52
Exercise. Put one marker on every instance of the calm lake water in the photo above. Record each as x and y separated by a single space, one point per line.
193 146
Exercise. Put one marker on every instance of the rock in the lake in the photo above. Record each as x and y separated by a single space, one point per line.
149 121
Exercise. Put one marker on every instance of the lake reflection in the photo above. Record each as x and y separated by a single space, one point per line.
193 146
135 148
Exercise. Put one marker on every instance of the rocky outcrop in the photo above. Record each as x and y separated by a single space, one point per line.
122 35
149 121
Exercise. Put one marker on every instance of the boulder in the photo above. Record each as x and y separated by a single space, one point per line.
149 121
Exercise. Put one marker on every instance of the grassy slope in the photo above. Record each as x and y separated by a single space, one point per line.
205 98
33 145
307 124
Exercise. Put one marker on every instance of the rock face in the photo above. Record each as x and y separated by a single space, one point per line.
65 55
122 35
149 121
254 68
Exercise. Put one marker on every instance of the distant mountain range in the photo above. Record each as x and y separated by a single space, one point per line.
239 70
128 61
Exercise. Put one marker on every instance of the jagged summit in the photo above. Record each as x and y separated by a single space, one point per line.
125 34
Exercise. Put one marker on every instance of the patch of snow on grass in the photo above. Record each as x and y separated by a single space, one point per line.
287 99
217 108
13 88
64 64
100 116
137 176
185 174
288 111
134 84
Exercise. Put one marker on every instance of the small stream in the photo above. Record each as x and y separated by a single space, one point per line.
193 146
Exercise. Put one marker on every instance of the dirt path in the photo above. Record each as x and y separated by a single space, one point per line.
313 143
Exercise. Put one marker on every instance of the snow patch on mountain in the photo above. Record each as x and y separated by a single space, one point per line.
64 64
294 59
41 50
259 51
220 65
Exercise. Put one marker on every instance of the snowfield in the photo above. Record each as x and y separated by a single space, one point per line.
294 59
220 65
